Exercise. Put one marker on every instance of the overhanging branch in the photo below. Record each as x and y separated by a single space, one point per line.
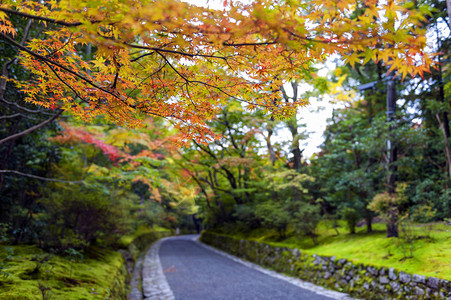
39 177
31 129
30 16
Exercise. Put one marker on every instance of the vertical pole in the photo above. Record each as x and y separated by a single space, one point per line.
391 143
392 222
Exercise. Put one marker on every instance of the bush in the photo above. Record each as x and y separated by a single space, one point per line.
274 215
305 219
246 216
78 215
351 216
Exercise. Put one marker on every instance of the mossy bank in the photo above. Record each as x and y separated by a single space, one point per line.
359 280
28 272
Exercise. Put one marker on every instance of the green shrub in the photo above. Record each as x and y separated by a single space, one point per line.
351 216
246 216
76 216
274 215
305 218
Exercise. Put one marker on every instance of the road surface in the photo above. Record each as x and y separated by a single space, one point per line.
195 272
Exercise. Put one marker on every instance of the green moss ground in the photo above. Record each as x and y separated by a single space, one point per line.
59 278
431 247
101 274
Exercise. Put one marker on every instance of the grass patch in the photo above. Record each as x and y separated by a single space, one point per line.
430 246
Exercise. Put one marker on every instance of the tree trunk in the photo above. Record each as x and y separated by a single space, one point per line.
444 121
297 157
447 147
292 124
448 6
369 220
392 223
272 153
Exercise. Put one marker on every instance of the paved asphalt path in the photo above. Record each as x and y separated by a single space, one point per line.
197 273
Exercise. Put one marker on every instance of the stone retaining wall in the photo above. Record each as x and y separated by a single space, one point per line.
362 281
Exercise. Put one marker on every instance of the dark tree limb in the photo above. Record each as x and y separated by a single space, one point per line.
39 177
31 129
39 18
31 111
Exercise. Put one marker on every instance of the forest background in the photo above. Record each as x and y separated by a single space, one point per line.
87 158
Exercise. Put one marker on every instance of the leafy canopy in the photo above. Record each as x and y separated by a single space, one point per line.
124 59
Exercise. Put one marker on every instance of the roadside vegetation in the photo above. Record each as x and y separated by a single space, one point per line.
425 250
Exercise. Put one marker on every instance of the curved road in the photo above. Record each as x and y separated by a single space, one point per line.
195 272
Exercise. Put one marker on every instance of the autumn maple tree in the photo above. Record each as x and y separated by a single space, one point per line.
124 59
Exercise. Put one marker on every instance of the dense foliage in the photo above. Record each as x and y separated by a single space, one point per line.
124 59
68 184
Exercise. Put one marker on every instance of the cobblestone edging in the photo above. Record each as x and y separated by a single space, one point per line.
136 279
359 280
295 281
135 256
155 285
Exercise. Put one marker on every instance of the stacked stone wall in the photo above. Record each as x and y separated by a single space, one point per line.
359 280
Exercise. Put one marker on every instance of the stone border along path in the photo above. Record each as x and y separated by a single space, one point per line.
154 283
156 286
135 291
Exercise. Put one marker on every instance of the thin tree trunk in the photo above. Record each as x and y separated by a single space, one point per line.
444 122
369 220
272 153
293 127
448 6
447 147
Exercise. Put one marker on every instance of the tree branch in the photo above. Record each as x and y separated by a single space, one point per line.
65 83
31 129
207 84
39 177
25 109
17 115
25 15
11 116
250 44
45 59
171 51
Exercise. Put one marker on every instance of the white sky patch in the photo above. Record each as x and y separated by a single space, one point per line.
314 116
